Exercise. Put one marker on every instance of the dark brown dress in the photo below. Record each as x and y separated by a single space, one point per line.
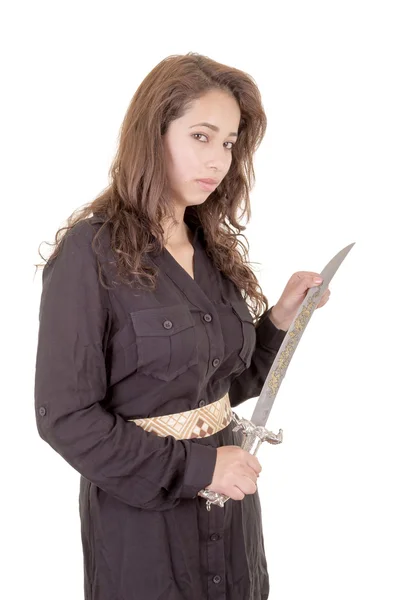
104 356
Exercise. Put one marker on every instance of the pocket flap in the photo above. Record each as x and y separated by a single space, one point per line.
163 320
240 308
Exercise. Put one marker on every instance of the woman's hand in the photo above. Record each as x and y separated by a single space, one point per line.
236 472
284 311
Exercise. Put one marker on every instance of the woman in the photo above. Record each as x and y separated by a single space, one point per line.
143 315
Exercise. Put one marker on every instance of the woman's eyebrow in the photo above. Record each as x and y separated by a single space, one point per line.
213 127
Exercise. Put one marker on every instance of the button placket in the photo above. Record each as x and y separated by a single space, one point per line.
216 555
216 361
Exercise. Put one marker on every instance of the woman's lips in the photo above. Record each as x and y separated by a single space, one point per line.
208 187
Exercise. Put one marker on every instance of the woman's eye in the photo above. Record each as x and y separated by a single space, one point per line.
199 134
203 135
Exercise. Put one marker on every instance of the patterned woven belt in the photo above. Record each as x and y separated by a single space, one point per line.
196 423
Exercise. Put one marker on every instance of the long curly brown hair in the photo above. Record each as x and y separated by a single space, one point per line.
135 202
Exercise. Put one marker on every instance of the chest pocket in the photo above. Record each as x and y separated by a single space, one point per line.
248 331
166 341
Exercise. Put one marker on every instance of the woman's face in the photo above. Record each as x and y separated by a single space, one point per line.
194 150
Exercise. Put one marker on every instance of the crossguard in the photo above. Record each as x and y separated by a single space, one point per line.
253 437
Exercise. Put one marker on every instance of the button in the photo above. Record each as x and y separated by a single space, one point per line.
214 537
215 362
202 403
207 317
167 324
42 411
216 579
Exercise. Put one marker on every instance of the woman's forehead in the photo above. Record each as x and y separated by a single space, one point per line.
217 109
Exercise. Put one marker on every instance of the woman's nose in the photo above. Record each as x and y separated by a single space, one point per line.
219 161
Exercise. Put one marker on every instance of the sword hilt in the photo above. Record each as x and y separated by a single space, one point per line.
253 437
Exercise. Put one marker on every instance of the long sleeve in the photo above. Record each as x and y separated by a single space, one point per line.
248 384
137 467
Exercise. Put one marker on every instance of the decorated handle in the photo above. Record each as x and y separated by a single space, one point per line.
253 437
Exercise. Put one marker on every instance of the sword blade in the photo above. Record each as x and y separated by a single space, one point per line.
290 341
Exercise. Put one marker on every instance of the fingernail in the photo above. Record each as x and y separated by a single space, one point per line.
317 279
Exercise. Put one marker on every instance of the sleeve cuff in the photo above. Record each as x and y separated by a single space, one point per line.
199 470
269 336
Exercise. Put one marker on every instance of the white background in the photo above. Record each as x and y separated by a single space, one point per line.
327 175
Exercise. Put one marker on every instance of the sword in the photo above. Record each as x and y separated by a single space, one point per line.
254 431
